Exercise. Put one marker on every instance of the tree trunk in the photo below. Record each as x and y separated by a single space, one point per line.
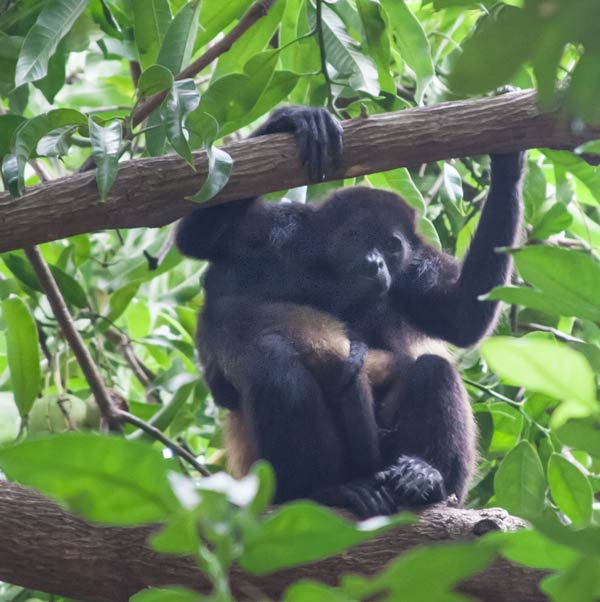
44 547
152 191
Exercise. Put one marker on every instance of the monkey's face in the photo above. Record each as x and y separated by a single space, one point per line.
368 243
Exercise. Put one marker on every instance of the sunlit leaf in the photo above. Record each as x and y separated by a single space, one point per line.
545 366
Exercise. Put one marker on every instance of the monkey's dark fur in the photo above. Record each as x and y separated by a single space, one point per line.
322 330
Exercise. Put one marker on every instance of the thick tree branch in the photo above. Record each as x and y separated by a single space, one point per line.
150 192
46 548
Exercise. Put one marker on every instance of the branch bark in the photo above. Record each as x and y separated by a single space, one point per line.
44 547
150 192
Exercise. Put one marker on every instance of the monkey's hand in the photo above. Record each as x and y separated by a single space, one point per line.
412 482
318 134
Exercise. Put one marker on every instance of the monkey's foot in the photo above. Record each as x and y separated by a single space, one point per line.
412 482
363 497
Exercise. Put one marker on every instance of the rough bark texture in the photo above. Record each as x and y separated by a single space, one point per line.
150 192
46 548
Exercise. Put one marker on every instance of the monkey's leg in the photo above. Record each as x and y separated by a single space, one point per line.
292 426
434 423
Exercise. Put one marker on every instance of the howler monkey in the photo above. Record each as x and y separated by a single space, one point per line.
320 319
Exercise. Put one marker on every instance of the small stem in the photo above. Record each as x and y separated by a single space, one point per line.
160 436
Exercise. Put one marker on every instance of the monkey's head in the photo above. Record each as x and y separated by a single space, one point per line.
368 237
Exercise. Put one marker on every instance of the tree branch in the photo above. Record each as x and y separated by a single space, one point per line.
81 352
45 548
150 192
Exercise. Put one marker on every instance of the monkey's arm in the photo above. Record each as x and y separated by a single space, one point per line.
447 306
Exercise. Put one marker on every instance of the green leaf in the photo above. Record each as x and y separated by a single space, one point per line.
556 219
220 165
16 12
182 99
167 594
309 591
534 192
151 20
570 278
178 44
8 125
584 87
519 484
345 54
22 350
506 40
54 80
154 79
373 20
580 583
424 575
532 549
216 15
51 26
252 42
27 136
71 290
545 366
94 476
570 489
106 145
10 419
412 41
592 147
581 434
303 532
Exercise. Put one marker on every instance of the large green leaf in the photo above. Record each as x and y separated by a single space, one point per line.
104 478
546 366
151 20
581 434
344 54
106 146
22 351
571 279
570 489
216 15
178 44
423 575
519 484
412 43
304 532
154 79
8 125
19 11
52 24
493 55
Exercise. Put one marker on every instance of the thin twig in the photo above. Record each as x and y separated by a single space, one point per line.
144 375
65 321
160 436
558 334
252 15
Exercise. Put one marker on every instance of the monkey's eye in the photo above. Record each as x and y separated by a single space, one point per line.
393 244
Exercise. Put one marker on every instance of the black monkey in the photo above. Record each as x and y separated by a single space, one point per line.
358 258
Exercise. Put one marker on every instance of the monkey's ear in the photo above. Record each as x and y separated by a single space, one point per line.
207 232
